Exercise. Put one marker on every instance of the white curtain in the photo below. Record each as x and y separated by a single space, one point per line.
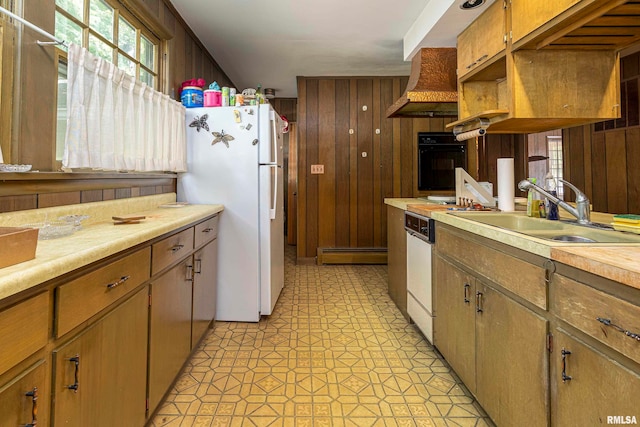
116 122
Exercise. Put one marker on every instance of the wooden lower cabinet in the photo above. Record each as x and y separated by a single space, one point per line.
170 328
24 399
598 388
397 258
99 377
204 290
454 321
511 360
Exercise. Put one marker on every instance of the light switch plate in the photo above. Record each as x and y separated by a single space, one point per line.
317 169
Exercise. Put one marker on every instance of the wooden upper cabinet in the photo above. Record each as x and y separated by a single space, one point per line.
482 42
527 15
566 24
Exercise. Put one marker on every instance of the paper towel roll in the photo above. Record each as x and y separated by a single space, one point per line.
506 185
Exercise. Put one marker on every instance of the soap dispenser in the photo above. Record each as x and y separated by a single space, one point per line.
551 187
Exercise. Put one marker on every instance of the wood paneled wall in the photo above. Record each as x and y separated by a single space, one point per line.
493 147
287 107
366 158
602 159
33 137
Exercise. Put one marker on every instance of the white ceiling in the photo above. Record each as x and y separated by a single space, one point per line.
273 45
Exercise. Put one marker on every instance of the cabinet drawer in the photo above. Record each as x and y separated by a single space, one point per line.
171 250
206 231
25 327
516 275
85 296
581 306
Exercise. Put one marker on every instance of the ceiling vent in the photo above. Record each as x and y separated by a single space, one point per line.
431 90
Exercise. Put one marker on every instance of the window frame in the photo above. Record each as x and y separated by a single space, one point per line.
138 24
159 43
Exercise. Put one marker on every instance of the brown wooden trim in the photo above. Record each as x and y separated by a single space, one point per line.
352 256
12 184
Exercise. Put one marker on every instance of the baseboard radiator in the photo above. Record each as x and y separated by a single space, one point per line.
352 256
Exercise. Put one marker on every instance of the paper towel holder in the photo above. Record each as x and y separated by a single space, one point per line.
478 128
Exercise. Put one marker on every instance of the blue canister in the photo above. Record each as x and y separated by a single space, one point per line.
191 97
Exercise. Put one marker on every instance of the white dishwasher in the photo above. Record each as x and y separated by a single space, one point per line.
420 237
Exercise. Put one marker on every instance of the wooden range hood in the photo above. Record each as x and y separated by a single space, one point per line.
432 87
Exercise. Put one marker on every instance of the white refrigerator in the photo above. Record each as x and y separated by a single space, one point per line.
234 158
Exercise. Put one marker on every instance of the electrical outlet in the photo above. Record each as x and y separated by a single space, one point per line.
317 169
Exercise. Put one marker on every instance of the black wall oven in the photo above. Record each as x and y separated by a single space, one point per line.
439 154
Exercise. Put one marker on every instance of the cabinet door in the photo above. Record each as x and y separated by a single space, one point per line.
204 290
100 376
527 15
397 258
170 328
454 321
482 39
599 387
511 360
22 400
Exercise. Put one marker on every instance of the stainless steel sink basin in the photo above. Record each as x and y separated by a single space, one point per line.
514 222
573 239
558 231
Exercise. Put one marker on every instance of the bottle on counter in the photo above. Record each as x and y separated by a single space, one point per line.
259 95
551 186
533 202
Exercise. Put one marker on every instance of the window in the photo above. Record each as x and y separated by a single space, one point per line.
110 32
554 148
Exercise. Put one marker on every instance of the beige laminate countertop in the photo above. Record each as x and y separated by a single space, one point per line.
621 264
98 239
401 203
613 261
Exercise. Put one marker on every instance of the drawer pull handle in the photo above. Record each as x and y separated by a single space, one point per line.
198 269
176 248
565 377
76 361
478 302
189 277
118 282
33 394
207 230
607 322
482 58
466 293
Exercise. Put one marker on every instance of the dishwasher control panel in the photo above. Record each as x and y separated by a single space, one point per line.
420 225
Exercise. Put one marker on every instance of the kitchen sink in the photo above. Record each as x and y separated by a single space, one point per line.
565 231
513 222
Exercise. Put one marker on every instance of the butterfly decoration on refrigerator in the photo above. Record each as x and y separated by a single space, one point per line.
222 137
200 122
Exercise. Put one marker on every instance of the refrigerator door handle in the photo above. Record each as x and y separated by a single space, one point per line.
274 203
274 137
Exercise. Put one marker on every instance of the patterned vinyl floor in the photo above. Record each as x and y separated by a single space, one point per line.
335 352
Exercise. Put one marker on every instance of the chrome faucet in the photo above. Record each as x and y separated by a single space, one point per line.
581 211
